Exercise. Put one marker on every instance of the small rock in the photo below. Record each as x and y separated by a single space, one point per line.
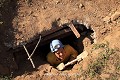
87 25
115 16
54 70
106 19
62 21
36 9
17 43
57 2
49 68
22 15
44 7
81 5
31 12
1 22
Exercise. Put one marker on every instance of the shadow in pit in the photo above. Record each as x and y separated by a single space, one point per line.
8 10
24 65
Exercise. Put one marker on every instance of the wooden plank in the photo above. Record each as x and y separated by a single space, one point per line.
74 30
47 38
58 35
56 32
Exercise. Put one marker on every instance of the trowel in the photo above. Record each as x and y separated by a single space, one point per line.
81 56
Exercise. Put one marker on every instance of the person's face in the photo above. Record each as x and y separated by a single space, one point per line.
60 53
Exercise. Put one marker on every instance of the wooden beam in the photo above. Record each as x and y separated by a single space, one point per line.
72 27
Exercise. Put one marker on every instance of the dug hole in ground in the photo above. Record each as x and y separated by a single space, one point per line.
22 21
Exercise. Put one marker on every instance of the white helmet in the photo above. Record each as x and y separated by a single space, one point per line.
55 45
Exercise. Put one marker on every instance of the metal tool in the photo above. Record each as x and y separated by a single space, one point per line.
81 56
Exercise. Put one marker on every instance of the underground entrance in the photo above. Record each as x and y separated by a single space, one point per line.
63 33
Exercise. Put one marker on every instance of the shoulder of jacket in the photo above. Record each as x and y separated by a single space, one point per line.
67 46
49 55
50 58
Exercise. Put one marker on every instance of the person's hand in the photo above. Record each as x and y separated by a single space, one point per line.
61 66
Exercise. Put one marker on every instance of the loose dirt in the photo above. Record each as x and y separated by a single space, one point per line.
23 20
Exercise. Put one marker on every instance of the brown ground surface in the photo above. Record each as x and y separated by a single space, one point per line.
31 17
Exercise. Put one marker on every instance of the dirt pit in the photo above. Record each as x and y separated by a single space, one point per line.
39 57
24 20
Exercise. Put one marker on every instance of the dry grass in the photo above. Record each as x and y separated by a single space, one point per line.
97 67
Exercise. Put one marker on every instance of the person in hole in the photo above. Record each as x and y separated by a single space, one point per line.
60 53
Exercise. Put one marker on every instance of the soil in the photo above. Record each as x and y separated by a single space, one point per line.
23 20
